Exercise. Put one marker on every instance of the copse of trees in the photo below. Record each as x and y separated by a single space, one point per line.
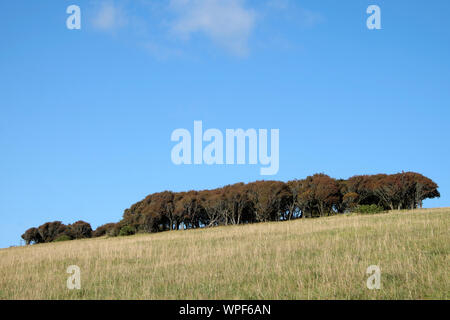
106 229
57 231
261 201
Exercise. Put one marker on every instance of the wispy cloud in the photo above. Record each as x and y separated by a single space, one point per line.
229 23
166 27
292 11
110 16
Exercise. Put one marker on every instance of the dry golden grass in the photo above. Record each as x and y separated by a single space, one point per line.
322 258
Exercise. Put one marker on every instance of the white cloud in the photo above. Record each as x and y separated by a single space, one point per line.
291 11
227 23
110 17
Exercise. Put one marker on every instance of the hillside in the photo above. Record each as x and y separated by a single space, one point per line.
323 258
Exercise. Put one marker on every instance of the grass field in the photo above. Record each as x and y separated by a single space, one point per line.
322 258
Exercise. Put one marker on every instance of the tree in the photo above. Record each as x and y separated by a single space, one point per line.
190 209
425 188
318 195
294 204
51 230
271 200
213 207
237 202
103 230
80 230
326 193
32 236
350 201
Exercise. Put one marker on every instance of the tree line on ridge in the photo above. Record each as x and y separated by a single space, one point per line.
261 201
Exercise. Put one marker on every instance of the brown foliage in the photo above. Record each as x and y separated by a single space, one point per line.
103 230
315 196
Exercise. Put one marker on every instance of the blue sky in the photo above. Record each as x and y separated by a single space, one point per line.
86 115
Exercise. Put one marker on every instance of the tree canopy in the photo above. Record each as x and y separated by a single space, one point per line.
261 201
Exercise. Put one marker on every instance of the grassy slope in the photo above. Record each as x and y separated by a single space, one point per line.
305 259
